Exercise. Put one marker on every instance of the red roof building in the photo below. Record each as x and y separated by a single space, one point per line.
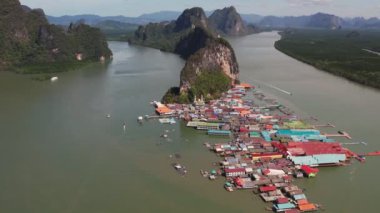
267 188
234 172
310 148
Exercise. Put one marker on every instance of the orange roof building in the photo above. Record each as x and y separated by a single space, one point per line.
307 207
163 110
246 85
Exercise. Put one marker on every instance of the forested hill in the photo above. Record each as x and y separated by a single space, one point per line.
27 40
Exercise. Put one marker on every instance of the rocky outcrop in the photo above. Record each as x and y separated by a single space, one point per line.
192 42
190 18
211 66
215 56
228 22
166 35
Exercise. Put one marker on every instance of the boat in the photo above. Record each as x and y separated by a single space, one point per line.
228 186
167 120
208 145
212 177
172 121
55 78
108 115
140 118
179 168
298 174
377 153
204 173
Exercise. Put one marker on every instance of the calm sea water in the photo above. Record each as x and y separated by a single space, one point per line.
59 152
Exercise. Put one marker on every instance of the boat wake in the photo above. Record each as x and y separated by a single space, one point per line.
276 88
279 89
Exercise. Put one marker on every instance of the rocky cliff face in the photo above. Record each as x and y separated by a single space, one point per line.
192 42
190 18
27 38
326 21
228 22
211 67
166 35
215 56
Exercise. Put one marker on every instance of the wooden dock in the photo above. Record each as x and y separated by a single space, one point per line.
324 125
340 134
160 116
273 106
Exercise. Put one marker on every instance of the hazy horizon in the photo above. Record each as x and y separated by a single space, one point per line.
134 8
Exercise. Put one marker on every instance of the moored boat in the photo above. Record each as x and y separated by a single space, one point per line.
228 186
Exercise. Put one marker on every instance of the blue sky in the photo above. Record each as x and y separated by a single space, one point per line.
344 8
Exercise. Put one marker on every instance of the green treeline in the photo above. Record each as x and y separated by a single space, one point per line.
340 52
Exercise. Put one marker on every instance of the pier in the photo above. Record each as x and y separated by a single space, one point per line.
160 116
324 125
339 134
273 106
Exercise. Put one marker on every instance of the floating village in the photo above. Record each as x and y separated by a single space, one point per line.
270 147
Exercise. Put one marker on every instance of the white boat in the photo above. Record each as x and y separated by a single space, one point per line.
164 120
167 120
212 177
55 78
180 169
172 121
228 186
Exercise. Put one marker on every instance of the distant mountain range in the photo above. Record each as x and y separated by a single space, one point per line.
94 19
114 28
140 20
318 20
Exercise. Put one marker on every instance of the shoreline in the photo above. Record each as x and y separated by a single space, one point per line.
352 77
49 68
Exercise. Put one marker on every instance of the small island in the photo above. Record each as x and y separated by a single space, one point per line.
29 44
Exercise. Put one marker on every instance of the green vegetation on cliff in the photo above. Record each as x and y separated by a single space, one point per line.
159 36
210 85
340 52
29 44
